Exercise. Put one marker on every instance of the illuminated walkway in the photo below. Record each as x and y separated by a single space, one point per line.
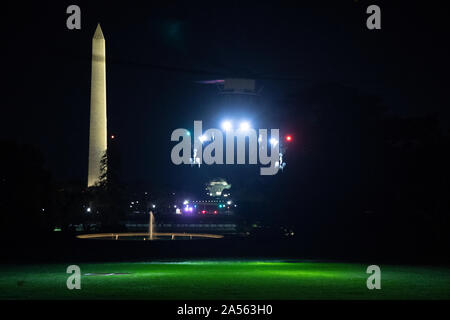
173 236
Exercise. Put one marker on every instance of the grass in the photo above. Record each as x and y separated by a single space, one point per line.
224 280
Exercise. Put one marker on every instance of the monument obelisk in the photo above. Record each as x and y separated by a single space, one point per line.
97 129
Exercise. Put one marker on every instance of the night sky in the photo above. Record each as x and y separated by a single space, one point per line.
156 53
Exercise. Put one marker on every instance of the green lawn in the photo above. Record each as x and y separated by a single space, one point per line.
224 280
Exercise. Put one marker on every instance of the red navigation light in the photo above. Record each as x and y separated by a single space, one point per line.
288 138
203 211
215 211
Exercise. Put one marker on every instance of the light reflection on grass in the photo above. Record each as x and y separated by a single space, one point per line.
227 279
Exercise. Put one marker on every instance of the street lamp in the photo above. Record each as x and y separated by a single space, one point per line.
227 125
244 126
273 141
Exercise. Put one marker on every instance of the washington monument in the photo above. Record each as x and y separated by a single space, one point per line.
97 129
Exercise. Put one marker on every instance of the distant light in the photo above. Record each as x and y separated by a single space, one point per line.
244 126
153 206
88 209
203 211
273 141
228 202
178 211
227 125
288 138
113 136
202 138
185 201
174 206
188 132
215 211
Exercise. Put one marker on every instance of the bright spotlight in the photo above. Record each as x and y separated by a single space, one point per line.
227 125
273 141
244 126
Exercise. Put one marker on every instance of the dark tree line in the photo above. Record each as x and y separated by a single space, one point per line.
32 202
358 177
25 189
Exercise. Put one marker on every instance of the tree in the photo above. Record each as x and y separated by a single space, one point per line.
107 196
